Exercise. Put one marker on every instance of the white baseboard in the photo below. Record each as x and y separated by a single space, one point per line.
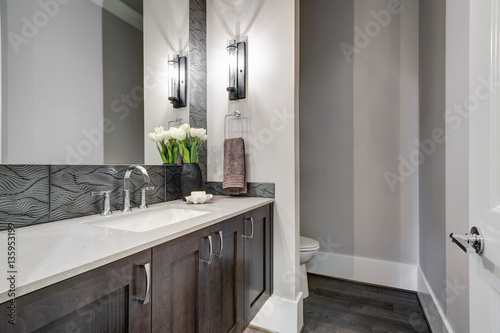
432 308
280 315
379 272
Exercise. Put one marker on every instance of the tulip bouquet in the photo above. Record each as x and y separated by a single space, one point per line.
191 145
184 140
166 144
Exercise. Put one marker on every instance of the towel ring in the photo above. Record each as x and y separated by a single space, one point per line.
236 114
176 121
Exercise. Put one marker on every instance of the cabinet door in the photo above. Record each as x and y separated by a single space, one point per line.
227 277
102 300
181 283
258 259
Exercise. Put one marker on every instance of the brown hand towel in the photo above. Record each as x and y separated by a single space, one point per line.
235 176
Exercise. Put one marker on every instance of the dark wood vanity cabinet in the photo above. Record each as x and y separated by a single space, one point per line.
212 280
106 299
181 284
198 281
258 260
227 274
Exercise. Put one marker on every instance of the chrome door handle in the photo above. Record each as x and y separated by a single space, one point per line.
221 237
472 242
147 269
251 233
209 261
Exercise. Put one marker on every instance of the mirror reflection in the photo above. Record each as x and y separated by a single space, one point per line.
73 75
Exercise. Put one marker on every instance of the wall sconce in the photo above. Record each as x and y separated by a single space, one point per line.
237 69
177 81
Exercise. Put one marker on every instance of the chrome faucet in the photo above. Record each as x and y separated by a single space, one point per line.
126 184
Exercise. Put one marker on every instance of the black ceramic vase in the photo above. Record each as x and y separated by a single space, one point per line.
190 179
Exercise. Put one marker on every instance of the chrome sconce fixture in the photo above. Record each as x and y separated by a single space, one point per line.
237 69
177 81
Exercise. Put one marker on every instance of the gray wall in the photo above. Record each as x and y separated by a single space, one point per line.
357 118
60 80
123 75
326 123
457 159
47 100
432 171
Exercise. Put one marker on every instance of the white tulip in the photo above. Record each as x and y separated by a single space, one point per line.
185 128
178 134
158 130
157 137
167 135
152 136
198 132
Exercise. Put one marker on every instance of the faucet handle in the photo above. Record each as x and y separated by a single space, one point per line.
107 201
143 196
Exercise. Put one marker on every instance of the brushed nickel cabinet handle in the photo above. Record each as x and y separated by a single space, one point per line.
147 269
209 261
251 233
221 236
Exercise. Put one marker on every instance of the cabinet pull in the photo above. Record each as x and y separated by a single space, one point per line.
209 261
219 255
145 300
251 233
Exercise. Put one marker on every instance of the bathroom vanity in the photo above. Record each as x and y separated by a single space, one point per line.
208 273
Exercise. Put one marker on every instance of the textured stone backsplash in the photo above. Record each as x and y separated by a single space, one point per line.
33 194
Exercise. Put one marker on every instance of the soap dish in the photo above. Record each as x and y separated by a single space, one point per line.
199 197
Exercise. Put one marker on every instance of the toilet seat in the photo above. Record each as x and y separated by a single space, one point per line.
308 244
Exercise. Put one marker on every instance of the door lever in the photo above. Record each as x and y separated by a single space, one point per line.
472 242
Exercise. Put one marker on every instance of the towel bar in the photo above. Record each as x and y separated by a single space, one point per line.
236 114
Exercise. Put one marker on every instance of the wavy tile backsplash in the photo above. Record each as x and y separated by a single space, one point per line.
33 194
24 195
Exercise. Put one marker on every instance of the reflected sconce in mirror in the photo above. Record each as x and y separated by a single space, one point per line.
177 81
237 69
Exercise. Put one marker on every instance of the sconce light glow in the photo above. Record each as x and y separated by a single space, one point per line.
177 81
236 53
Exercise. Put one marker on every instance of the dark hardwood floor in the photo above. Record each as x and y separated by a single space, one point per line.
342 306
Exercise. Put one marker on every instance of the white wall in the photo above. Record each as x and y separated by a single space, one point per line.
270 128
369 123
45 108
166 32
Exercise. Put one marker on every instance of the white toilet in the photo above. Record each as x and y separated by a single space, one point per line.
308 248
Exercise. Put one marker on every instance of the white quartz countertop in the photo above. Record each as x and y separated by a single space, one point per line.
52 252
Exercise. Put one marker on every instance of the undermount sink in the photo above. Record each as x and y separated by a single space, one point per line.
148 220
